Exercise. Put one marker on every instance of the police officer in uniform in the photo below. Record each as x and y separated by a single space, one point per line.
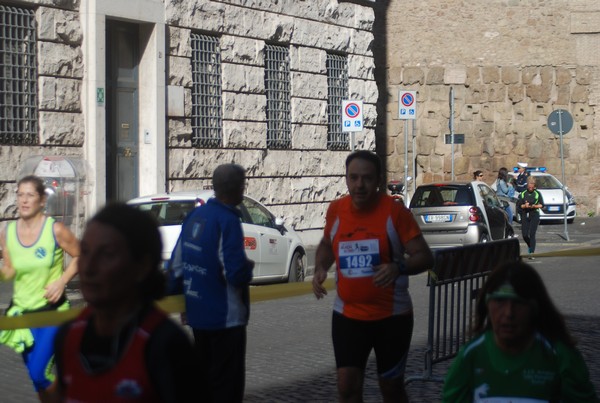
529 203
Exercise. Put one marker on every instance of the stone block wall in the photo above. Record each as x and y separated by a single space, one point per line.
297 183
60 74
510 64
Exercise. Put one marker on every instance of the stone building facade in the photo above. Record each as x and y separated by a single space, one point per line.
145 57
510 63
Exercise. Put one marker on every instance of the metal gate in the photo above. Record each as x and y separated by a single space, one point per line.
454 283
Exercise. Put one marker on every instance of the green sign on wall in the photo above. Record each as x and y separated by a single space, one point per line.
100 96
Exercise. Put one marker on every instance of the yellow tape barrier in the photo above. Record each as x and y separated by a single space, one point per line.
171 304
569 253
175 303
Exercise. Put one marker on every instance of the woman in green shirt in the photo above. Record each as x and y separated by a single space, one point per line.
522 351
33 249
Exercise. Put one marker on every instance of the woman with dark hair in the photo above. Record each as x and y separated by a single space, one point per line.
505 189
478 175
33 250
522 350
122 346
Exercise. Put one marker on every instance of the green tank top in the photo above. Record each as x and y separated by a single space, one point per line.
36 265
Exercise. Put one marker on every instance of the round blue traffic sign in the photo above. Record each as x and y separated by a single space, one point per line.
407 99
352 110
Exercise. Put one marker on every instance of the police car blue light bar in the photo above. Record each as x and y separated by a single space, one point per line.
530 169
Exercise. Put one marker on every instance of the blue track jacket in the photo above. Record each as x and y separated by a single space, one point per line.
209 265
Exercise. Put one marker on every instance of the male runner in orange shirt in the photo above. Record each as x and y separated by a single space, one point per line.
376 243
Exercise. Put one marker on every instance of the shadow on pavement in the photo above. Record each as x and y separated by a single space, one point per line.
321 387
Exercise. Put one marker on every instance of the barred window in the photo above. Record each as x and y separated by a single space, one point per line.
207 111
337 91
277 84
18 76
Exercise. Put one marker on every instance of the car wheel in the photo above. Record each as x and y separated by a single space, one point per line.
570 220
296 274
484 238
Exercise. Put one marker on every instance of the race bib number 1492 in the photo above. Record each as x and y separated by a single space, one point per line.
357 258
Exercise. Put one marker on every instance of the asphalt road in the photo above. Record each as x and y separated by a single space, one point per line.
290 357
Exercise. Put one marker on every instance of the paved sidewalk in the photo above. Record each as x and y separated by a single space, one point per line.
276 384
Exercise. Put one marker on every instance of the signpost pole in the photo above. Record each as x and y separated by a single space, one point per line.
414 156
562 163
405 159
560 122
451 124
407 110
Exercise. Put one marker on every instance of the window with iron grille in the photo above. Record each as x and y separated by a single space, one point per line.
277 85
337 91
18 76
207 111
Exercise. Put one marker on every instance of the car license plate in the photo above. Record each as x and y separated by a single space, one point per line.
554 208
438 218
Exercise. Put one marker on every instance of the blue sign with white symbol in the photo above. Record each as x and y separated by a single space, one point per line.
407 106
352 116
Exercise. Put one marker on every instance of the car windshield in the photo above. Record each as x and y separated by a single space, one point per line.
168 212
437 196
547 182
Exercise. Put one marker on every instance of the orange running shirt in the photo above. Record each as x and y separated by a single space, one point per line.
360 240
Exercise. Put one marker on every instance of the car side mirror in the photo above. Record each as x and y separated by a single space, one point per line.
279 224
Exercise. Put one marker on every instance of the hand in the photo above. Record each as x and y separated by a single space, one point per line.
385 274
54 291
317 283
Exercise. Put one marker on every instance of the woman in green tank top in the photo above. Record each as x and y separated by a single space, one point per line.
33 250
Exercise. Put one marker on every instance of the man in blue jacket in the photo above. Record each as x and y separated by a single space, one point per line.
210 263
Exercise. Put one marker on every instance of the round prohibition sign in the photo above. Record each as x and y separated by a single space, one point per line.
407 100
352 110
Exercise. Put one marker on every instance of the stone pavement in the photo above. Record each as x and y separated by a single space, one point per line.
290 358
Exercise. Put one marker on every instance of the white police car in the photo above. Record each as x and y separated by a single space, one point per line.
278 252
551 190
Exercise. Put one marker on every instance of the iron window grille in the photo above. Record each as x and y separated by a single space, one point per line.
337 91
18 77
277 85
207 93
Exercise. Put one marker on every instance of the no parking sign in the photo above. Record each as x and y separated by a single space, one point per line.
407 105
352 116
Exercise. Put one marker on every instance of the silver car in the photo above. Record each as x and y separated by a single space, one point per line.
459 213
278 252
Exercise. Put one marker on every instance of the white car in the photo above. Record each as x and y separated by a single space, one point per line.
277 250
551 190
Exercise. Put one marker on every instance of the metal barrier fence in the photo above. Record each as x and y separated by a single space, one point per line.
457 276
